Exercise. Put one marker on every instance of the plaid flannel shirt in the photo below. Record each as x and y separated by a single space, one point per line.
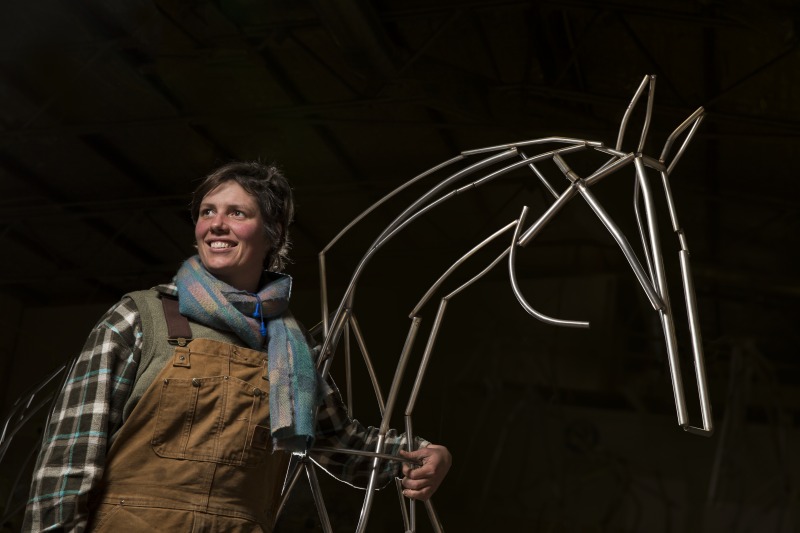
89 409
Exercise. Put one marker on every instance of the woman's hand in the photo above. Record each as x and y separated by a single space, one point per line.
420 482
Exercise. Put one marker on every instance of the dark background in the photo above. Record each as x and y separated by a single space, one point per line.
110 112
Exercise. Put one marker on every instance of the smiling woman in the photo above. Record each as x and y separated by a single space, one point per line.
187 398
267 192
231 239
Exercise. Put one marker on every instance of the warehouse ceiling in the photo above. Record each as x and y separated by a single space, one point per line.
111 111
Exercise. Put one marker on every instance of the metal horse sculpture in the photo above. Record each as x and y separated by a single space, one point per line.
482 166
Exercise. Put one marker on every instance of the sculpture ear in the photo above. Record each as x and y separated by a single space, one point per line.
649 84
691 123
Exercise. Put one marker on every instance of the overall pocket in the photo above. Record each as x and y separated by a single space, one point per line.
211 419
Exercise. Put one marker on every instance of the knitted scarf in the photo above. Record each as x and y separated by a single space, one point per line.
294 388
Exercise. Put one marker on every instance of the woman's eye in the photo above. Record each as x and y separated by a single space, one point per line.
206 212
238 213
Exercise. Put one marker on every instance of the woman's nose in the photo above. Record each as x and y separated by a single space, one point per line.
218 223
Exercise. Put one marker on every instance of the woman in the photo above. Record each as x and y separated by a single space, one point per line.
186 398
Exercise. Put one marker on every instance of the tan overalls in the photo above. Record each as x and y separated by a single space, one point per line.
195 453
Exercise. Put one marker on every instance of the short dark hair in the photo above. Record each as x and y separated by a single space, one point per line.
273 194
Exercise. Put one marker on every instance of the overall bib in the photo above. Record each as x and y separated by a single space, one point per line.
195 454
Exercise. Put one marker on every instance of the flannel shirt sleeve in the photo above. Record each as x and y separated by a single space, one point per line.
87 410
335 429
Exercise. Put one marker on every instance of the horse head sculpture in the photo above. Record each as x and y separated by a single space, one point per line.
478 168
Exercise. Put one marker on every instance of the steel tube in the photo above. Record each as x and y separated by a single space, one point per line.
426 356
370 494
292 475
685 143
548 215
697 347
637 215
457 264
540 176
412 506
323 292
692 120
433 517
518 293
648 114
362 346
331 342
384 427
364 453
389 196
348 370
512 146
608 169
638 271
622 241
660 281
624 122
316 492
347 299
407 526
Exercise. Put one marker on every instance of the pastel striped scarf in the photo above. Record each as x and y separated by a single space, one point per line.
258 319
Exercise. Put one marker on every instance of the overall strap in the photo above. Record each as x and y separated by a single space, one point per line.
178 331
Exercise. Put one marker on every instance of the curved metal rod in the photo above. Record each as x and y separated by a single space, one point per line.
543 140
691 133
359 218
648 114
23 405
692 120
479 182
515 286
331 342
457 264
624 122
419 208
388 197
9 511
348 295
539 157
47 400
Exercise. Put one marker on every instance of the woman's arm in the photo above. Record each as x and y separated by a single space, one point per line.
88 409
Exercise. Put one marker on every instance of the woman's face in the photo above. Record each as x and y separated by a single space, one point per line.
230 235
